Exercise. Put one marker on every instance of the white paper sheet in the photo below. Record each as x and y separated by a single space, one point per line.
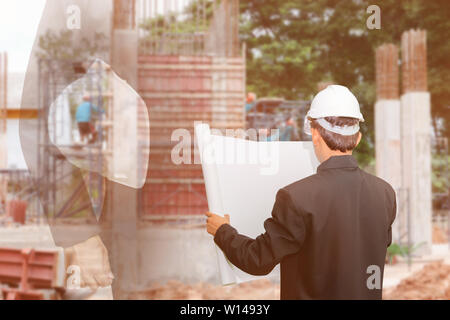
242 178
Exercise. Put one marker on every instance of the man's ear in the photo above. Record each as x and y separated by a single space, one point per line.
315 137
359 139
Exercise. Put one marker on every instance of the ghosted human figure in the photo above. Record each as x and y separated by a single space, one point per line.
92 181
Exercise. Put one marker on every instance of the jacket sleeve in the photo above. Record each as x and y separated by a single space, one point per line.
284 234
394 214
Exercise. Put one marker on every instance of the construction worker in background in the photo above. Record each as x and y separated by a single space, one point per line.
251 99
286 131
84 119
330 231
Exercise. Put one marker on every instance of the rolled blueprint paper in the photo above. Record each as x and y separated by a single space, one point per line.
212 186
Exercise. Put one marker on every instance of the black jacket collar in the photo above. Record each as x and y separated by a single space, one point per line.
337 162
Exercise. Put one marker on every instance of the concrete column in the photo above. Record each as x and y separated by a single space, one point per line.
223 35
122 203
416 138
125 56
387 128
124 52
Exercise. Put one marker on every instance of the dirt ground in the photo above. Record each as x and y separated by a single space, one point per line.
430 283
439 235
173 290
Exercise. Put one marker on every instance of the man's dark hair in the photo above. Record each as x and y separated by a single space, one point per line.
336 141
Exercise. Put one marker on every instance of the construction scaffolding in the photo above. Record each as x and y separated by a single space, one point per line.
189 68
60 150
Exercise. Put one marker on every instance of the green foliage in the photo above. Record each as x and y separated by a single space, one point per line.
62 46
174 32
294 44
440 173
62 50
403 251
194 18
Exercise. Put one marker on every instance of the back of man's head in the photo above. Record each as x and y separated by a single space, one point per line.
335 141
336 115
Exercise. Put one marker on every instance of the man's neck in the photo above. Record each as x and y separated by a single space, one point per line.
337 154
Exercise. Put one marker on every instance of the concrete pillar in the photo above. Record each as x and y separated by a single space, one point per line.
387 128
416 138
124 52
222 38
122 203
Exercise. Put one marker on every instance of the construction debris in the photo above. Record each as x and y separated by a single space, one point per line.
430 283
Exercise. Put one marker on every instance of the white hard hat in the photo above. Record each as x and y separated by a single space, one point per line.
334 101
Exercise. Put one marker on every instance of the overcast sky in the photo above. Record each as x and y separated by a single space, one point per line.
19 20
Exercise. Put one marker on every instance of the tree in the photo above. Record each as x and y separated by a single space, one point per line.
63 46
294 44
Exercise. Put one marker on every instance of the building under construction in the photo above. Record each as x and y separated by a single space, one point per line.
189 67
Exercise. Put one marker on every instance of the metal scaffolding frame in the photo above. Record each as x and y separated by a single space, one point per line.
59 190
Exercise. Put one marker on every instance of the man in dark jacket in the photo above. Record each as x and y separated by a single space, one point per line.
329 231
